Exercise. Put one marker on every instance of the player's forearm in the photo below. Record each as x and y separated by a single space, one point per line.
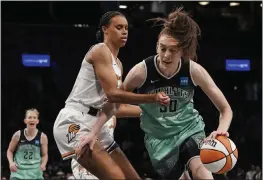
225 119
44 160
10 156
127 110
107 112
102 119
125 97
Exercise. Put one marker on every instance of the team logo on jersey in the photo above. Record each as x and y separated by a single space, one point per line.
37 142
183 81
73 129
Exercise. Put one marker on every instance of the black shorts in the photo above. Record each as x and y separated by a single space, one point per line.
177 163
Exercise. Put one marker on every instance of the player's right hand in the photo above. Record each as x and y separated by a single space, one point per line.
13 167
162 98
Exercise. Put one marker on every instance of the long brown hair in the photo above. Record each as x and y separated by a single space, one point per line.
184 29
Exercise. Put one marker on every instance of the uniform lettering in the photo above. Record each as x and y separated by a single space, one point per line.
172 91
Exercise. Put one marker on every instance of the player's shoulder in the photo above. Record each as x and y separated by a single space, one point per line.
43 138
195 67
198 73
43 135
193 63
17 134
98 51
100 48
139 67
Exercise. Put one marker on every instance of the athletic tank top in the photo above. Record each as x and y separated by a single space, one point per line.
28 153
87 89
179 116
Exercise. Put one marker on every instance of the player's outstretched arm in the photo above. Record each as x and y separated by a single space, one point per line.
128 110
134 79
201 78
100 58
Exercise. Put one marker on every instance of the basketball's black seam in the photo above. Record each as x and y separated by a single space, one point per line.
223 166
217 151
218 159
226 162
214 161
225 146
221 159
234 154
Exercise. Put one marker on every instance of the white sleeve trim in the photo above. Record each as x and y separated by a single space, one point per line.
191 73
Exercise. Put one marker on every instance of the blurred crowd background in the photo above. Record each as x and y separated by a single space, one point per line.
66 30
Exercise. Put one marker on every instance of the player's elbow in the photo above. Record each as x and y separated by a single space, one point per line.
226 110
45 156
113 95
9 153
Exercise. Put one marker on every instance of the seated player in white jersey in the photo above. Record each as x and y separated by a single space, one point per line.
97 90
81 173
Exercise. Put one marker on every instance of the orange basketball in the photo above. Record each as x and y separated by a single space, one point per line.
219 155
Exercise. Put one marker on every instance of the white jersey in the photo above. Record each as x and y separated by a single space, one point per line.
87 89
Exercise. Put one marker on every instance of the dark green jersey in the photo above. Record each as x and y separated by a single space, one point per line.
28 153
177 118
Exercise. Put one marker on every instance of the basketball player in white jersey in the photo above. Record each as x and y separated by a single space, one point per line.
97 87
81 173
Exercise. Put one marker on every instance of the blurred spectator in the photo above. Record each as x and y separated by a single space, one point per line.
240 174
258 174
70 176
251 172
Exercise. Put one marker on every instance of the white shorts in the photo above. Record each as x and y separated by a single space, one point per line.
72 122
79 172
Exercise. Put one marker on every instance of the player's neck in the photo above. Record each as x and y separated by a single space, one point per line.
114 49
30 132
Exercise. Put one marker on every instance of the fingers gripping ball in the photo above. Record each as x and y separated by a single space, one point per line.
219 155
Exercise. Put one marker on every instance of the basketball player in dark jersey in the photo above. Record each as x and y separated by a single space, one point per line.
174 133
28 150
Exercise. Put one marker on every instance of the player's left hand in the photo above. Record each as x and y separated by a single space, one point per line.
89 139
42 167
214 134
